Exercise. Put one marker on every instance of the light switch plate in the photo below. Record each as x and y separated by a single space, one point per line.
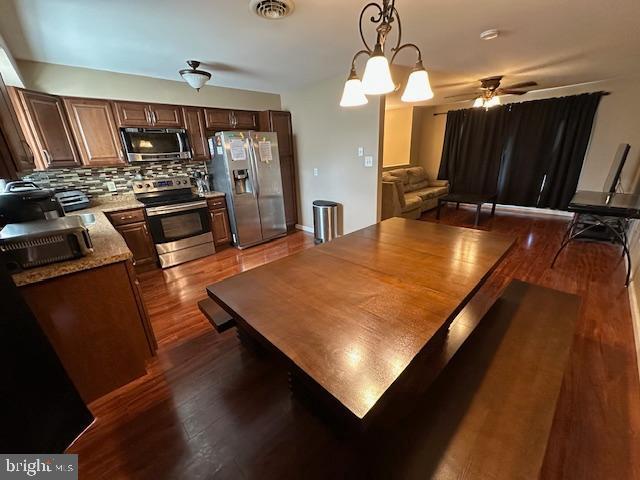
111 186
368 161
315 172
360 151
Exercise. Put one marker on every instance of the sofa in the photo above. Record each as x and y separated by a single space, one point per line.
407 192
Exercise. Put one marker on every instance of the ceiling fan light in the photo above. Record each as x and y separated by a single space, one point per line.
479 102
418 88
353 93
376 79
194 77
492 102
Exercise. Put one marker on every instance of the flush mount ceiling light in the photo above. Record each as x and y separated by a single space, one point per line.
490 34
272 9
194 77
376 79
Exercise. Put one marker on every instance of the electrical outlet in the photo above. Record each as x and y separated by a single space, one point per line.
360 151
315 172
111 186
368 161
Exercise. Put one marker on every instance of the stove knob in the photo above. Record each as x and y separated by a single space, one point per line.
148 185
139 185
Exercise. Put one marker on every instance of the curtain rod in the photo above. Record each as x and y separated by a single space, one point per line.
604 94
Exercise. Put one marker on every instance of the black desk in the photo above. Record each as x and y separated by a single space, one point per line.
620 208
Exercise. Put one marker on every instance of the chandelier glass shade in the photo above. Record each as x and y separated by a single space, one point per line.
377 78
194 77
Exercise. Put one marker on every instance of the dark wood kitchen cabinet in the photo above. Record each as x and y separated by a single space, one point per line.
44 123
19 156
137 114
194 123
95 131
280 122
132 225
218 119
97 324
219 221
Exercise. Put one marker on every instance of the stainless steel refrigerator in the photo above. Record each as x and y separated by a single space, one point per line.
246 167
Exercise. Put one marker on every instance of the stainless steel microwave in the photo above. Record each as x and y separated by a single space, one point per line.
155 144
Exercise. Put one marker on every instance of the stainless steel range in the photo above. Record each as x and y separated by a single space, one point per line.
178 219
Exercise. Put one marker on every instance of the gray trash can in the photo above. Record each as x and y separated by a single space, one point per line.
325 221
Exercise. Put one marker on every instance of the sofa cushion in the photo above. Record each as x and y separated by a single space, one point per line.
430 192
412 202
397 175
416 175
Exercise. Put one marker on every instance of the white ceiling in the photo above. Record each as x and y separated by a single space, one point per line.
554 42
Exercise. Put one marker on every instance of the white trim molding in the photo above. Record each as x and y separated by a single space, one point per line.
304 228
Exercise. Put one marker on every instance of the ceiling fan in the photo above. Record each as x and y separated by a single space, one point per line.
490 90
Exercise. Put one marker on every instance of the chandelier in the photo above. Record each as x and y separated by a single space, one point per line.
376 79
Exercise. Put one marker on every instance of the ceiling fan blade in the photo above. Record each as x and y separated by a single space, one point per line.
468 94
522 85
509 91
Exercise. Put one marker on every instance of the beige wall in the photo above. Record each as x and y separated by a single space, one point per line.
84 82
327 137
617 121
397 136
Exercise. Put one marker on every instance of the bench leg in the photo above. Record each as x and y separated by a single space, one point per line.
438 210
493 209
457 205
478 214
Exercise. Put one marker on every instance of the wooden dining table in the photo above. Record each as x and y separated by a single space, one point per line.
351 316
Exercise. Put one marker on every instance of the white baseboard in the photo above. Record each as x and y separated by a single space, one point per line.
537 211
635 318
304 228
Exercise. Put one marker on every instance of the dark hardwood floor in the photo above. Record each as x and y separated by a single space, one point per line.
210 408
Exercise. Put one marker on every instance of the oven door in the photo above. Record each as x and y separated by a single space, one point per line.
174 227
153 144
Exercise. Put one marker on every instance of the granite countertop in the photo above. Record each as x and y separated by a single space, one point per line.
108 245
213 194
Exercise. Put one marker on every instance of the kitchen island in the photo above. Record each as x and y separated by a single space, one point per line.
91 309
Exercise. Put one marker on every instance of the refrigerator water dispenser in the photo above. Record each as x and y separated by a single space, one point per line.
241 181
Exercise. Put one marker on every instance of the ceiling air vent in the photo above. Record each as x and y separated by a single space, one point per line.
272 9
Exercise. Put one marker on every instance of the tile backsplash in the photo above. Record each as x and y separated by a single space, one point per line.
93 181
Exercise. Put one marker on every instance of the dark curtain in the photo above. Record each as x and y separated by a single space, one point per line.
544 151
472 150
530 153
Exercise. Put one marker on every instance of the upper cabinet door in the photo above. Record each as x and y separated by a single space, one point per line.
95 131
218 119
21 154
243 119
51 131
281 124
166 116
132 114
194 123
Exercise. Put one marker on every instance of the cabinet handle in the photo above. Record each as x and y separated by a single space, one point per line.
120 154
47 157
144 226
147 115
126 217
153 116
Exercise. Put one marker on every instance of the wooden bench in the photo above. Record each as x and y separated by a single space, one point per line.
489 413
218 318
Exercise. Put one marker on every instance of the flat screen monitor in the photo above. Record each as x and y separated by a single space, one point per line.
611 183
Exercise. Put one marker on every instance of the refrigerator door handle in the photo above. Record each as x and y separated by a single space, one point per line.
254 168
